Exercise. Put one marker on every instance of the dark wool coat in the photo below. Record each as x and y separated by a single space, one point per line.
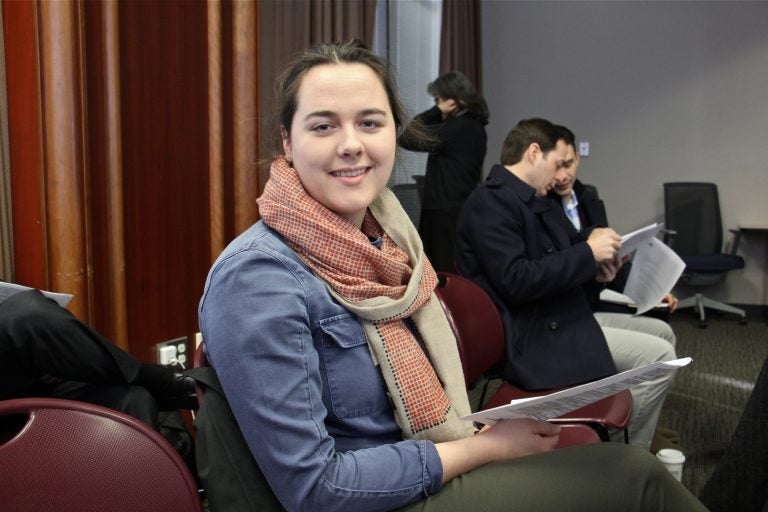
515 247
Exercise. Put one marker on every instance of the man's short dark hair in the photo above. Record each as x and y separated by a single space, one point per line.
525 133
568 136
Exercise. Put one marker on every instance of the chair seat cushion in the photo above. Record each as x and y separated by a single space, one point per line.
713 263
574 434
613 411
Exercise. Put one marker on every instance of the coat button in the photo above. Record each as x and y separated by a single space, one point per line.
549 249
553 326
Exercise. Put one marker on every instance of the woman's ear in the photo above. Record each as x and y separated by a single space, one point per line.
286 141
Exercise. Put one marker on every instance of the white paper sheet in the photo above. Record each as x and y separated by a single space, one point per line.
8 289
632 241
614 297
655 270
556 404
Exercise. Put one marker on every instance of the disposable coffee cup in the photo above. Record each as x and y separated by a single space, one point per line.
673 460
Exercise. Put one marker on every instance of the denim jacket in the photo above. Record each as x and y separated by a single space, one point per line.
298 374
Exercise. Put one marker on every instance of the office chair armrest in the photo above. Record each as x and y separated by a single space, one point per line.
667 235
736 240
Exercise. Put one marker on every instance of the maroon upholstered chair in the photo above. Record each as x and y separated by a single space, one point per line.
480 336
61 455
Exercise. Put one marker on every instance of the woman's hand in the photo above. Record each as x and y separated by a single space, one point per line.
520 437
447 107
506 439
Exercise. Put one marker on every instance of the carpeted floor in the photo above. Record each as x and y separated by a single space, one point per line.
707 397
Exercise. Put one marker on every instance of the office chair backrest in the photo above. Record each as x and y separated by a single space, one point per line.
474 319
408 195
692 211
420 180
65 456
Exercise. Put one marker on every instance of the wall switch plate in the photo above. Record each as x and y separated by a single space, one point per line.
583 148
175 349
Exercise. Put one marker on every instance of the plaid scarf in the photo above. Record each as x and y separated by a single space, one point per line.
382 286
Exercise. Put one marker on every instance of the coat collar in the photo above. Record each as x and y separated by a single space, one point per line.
585 193
501 176
547 210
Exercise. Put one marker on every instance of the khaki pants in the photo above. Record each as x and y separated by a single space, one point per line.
634 342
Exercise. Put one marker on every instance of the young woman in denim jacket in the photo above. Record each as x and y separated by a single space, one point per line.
334 354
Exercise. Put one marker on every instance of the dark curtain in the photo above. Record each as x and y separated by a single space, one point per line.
460 40
289 26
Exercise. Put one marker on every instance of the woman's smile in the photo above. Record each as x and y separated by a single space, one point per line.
350 173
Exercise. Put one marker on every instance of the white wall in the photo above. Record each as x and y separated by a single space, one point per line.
662 90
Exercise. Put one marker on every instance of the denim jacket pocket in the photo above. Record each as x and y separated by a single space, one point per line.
355 386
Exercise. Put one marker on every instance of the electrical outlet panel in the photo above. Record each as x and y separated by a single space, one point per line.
174 350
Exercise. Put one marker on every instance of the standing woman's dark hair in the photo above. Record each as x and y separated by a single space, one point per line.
455 86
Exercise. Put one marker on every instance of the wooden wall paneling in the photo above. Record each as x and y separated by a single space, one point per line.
114 151
6 216
215 129
164 118
65 184
245 109
228 116
25 142
105 170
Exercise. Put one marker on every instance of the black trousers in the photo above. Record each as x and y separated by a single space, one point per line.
740 479
47 351
437 229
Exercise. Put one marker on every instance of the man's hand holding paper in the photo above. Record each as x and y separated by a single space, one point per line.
605 244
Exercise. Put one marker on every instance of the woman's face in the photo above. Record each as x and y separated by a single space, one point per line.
342 137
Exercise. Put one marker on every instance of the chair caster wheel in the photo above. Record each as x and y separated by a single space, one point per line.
743 321
702 325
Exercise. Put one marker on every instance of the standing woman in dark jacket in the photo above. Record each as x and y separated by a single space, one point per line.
457 122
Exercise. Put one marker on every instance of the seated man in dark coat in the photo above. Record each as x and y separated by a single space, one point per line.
46 351
512 243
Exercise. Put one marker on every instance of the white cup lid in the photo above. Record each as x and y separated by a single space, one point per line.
670 456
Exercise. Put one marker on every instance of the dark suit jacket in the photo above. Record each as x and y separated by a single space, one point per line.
514 246
592 214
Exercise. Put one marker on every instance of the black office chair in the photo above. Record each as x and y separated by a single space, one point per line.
695 233
420 180
408 195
